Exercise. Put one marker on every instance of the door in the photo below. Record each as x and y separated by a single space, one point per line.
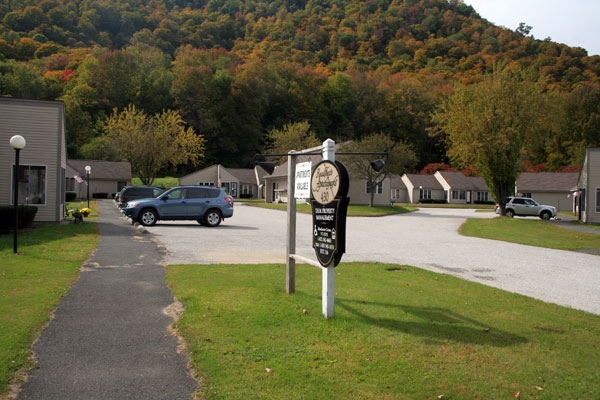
199 199
173 204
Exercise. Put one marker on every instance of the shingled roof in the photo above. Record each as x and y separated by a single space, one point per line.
547 181
425 181
458 181
103 170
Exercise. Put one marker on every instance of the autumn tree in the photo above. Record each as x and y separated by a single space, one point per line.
294 136
401 158
485 125
150 143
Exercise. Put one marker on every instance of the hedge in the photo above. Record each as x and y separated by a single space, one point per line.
7 217
70 196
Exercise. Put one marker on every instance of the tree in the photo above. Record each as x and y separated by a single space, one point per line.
294 136
401 159
485 125
150 143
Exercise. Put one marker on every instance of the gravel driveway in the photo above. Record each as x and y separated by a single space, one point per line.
427 239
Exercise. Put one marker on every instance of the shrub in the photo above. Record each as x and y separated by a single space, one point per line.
432 201
246 196
100 195
70 196
7 217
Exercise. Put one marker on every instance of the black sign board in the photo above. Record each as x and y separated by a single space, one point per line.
329 187
329 230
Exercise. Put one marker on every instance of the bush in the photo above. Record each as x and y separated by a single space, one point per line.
246 196
7 217
432 201
100 195
70 196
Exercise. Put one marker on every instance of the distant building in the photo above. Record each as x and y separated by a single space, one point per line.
237 182
106 177
550 188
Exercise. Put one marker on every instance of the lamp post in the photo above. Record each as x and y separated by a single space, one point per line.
17 142
88 171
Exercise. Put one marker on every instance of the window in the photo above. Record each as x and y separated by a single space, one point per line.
378 188
246 189
481 196
70 184
32 185
459 195
206 184
597 199
424 194
395 194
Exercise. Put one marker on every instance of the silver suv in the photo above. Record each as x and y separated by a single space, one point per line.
207 205
526 207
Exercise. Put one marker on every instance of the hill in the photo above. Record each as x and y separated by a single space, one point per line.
236 69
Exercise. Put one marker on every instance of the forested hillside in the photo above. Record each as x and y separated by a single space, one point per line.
237 69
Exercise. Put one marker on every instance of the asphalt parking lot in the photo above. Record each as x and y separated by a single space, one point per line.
427 239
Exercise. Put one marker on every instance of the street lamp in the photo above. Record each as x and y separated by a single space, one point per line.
88 171
17 142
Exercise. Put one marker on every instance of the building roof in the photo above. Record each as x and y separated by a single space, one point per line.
396 182
547 181
425 181
244 175
458 181
103 170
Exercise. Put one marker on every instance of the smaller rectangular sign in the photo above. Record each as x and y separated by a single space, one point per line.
303 173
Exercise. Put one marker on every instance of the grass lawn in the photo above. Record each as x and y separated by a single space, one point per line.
167 182
32 282
398 333
353 210
532 232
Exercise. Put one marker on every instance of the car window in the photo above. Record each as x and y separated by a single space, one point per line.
177 194
213 192
197 193
518 201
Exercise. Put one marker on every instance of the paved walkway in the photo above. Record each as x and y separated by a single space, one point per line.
109 338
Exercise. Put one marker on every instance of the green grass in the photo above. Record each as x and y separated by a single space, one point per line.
167 181
398 333
353 210
32 283
532 232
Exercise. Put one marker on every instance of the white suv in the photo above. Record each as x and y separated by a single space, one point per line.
526 207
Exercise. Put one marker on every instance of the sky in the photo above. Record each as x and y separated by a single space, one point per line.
575 23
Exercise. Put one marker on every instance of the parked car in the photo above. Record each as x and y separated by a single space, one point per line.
526 207
205 204
129 193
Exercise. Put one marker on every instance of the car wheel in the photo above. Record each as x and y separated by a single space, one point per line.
545 215
147 217
509 213
212 218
